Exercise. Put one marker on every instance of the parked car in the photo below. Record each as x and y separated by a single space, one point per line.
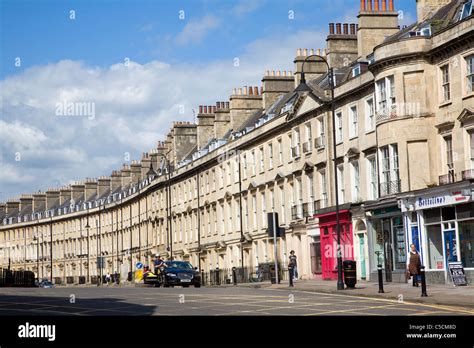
46 284
180 273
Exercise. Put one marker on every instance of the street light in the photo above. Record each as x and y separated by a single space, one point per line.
303 87
87 226
36 239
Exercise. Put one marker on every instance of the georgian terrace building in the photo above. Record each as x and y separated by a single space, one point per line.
404 154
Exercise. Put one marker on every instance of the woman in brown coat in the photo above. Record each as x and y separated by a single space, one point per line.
414 266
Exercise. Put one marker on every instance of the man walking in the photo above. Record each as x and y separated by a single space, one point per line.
293 263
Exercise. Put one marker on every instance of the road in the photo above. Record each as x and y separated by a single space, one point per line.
131 301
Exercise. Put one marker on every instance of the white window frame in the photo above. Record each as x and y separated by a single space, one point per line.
340 182
270 155
261 153
372 185
280 151
355 180
469 73
445 83
354 122
369 115
339 127
323 188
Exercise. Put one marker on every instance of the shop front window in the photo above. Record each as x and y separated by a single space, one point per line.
466 240
435 247
399 243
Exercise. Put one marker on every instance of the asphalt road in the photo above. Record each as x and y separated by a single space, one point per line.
130 301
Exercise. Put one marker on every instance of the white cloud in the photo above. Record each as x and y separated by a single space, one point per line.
247 6
195 30
134 108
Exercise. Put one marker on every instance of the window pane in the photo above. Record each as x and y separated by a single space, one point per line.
448 213
435 247
466 237
432 215
465 211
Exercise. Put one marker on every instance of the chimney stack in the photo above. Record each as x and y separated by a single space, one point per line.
243 106
78 192
39 202
275 86
52 198
126 175
342 46
375 24
103 186
222 119
91 189
313 67
26 204
64 195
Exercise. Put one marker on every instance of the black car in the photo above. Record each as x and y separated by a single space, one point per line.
180 273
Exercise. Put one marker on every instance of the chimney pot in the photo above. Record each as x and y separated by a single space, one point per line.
384 5
346 29
255 90
298 52
234 91
200 111
311 51
218 105
239 91
369 5
213 109
250 91
273 72
261 89
353 29
205 109
278 72
305 52
376 5
338 28
362 5
267 73
226 105
331 28
390 5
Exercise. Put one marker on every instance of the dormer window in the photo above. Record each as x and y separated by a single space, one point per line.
466 10
423 31
356 70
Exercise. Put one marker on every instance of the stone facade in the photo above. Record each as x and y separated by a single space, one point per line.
403 124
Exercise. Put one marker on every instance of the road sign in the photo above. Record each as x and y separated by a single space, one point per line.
139 265
457 273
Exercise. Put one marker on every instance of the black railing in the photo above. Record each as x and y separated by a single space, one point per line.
390 187
16 278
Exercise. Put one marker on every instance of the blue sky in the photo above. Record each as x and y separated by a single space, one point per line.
175 64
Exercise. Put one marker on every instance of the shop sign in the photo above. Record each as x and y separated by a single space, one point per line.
434 201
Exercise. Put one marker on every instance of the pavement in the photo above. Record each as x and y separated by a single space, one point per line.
262 299
462 296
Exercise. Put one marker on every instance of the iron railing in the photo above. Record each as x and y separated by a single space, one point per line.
390 187
467 174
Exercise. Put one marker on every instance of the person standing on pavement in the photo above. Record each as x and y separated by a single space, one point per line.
107 278
293 263
414 266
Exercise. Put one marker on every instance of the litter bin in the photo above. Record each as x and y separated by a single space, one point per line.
350 276
273 274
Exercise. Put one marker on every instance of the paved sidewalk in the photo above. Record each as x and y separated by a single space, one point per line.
437 294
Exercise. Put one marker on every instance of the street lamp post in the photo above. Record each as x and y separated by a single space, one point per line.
51 248
88 261
168 203
304 87
36 239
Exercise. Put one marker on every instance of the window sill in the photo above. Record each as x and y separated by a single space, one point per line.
369 131
444 104
468 96
353 137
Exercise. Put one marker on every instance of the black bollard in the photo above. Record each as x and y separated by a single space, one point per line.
202 278
423 282
234 276
379 270
218 278
290 272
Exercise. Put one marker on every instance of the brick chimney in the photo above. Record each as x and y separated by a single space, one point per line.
243 103
78 192
91 189
39 202
12 207
341 44
65 195
313 67
184 139
375 24
136 171
205 125
3 210
26 204
426 8
221 120
146 160
276 84
103 186
126 175
52 198
116 180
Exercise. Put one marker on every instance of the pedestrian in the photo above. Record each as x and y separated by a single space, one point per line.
107 278
293 263
116 278
414 266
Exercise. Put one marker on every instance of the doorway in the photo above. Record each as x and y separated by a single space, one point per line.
450 246
363 274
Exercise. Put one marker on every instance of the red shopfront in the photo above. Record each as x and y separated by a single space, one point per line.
328 237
